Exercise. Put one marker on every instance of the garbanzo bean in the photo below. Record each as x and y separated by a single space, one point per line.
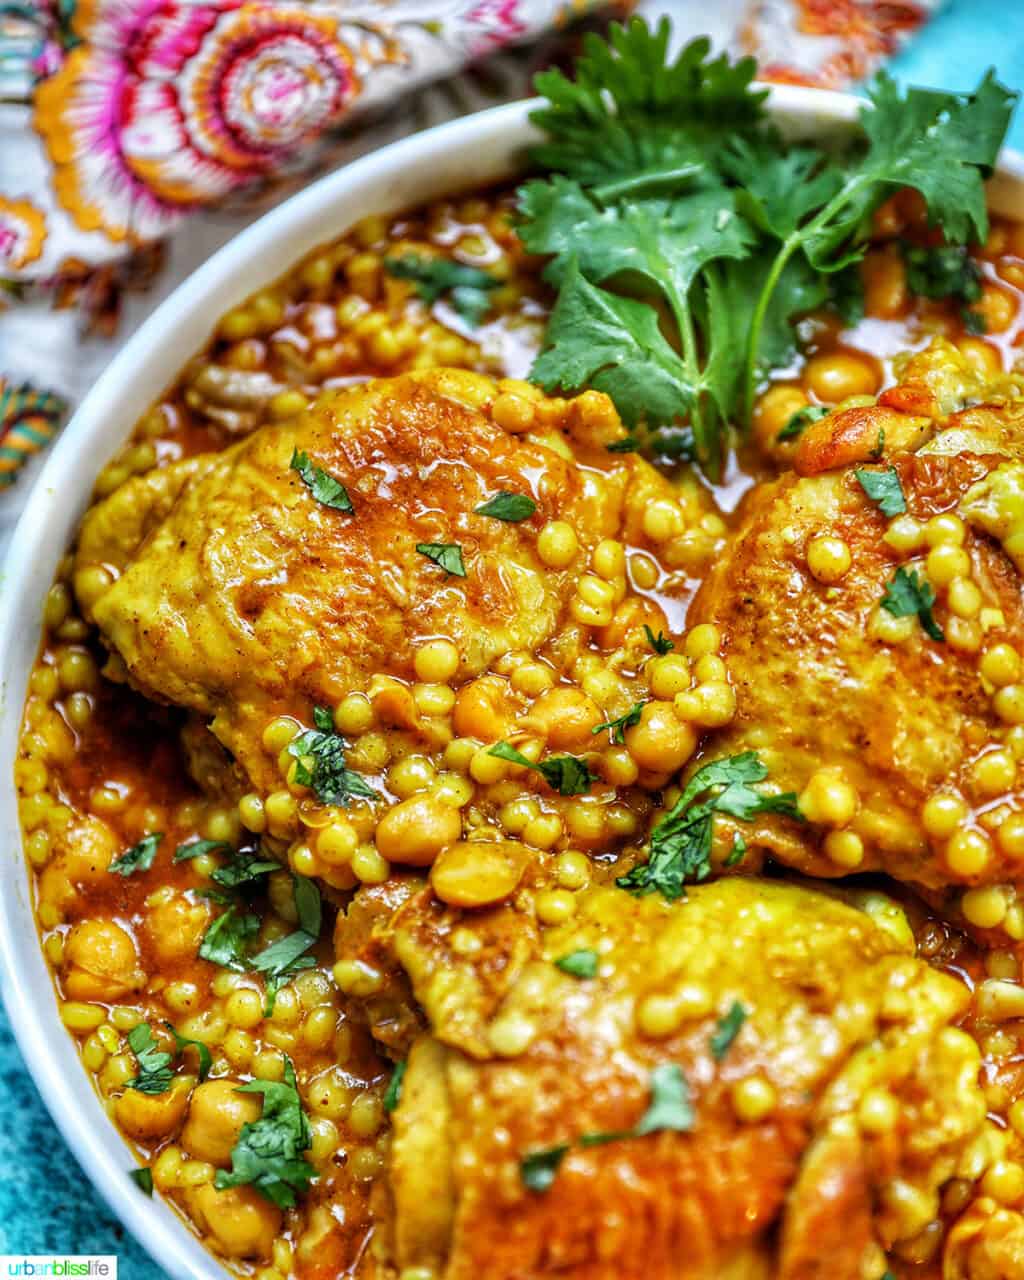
567 716
240 1221
477 873
415 831
215 1118
175 928
100 962
835 375
148 1116
482 709
661 741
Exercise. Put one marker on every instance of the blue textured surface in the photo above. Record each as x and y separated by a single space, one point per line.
45 1201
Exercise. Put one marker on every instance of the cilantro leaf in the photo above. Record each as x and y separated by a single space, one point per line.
139 857
670 1106
468 287
196 848
884 488
393 1093
328 491
227 939
801 420
620 724
154 1074
579 964
448 555
289 955
269 1152
244 868
539 1169
568 775
202 1051
727 1030
908 593
509 506
942 271
660 643
738 851
143 1179
331 779
680 844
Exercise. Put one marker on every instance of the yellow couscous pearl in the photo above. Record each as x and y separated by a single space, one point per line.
828 798
369 866
555 906
1004 1181
251 812
279 733
337 842
985 908
964 598
946 563
1000 664
904 534
244 1009
828 558
969 852
668 675
945 528
434 699
879 1112
942 814
753 1099
353 715
663 520
659 1015
1010 835
436 661
595 591
844 848
414 773
994 773
543 832
572 869
1009 703
609 559
701 640
963 634
557 544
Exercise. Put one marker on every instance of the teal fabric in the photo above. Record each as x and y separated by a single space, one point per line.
45 1202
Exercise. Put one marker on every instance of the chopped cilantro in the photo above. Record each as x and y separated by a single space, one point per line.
244 868
227 939
942 271
908 593
628 444
539 1168
202 1052
884 488
154 1074
568 775
468 287
320 754
143 1179
670 1106
620 724
727 1030
289 955
196 848
328 491
139 857
447 555
579 964
801 420
269 1152
879 447
393 1094
660 643
680 845
508 506
738 851
974 322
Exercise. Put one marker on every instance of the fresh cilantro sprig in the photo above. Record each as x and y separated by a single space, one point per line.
269 1152
680 844
154 1074
946 271
620 724
446 555
727 1030
660 643
578 964
468 287
508 506
226 941
325 488
568 775
139 857
320 758
801 420
685 238
884 489
393 1093
290 955
909 593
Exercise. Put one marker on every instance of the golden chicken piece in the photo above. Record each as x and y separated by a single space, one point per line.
241 587
876 656
759 1081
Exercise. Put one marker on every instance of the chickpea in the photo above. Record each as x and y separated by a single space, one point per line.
661 741
216 1115
477 873
773 411
415 831
148 1116
482 710
175 928
568 716
835 375
885 283
100 962
240 1221
998 306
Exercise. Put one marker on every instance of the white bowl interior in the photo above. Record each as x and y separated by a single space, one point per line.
465 154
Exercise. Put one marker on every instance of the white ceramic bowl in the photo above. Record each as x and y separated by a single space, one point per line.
468 153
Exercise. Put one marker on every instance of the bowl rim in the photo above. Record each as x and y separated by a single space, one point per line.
59 494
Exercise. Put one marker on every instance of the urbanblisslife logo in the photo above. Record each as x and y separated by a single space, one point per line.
45 1265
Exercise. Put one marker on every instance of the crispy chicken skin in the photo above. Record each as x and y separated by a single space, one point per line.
238 595
866 715
837 1011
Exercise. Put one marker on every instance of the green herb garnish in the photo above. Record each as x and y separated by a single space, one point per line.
738 851
448 555
244 868
801 420
289 955
154 1074
269 1152
320 757
196 848
508 506
578 964
139 857
143 1179
620 724
468 287
884 488
660 643
680 846
202 1052
942 271
539 1168
393 1094
568 775
328 491
727 1030
908 593
226 941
